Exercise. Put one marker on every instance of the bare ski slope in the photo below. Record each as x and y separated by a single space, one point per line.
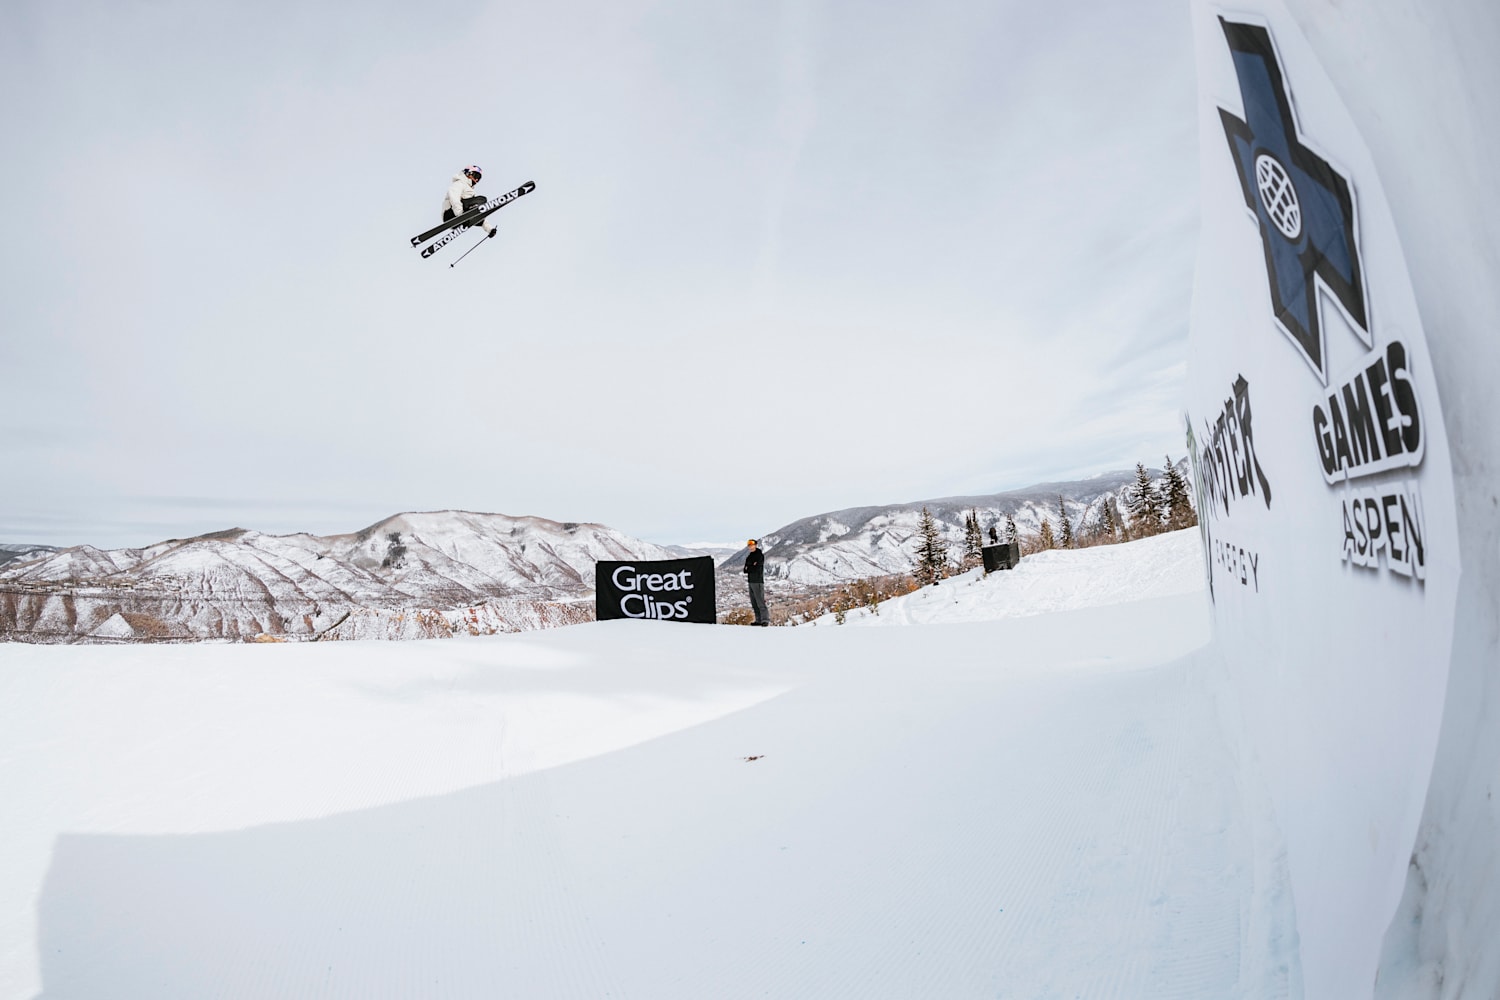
1027 807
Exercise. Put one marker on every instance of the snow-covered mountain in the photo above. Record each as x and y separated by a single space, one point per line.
845 545
10 553
719 551
411 575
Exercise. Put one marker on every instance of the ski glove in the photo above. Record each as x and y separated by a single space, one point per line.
492 233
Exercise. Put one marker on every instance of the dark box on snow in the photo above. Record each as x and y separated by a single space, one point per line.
1003 556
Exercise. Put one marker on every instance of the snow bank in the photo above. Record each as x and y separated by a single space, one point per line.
1030 807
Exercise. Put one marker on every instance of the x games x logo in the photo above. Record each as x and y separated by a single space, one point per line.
1303 206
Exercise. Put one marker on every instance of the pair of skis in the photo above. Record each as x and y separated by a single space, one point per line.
448 231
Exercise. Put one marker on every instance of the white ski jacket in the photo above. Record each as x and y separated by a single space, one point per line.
461 189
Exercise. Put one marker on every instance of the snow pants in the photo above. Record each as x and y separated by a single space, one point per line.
469 203
758 602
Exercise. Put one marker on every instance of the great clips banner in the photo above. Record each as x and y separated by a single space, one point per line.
1325 487
680 590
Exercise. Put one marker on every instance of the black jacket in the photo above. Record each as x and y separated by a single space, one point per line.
755 564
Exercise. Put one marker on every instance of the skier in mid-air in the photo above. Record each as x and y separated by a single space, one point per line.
461 197
462 208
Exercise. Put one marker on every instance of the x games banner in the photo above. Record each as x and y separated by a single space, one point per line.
663 590
1325 489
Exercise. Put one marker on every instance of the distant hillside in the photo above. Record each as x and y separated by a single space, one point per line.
845 545
10 553
437 574
408 576
718 553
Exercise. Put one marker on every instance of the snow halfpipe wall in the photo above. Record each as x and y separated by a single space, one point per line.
1344 338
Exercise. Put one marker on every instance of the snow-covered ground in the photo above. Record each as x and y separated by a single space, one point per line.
1056 580
1021 807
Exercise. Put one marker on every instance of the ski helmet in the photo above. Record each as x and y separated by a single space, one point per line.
473 173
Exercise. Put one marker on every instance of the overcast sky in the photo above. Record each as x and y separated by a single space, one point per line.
782 258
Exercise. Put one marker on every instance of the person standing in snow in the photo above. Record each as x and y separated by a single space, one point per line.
461 197
755 570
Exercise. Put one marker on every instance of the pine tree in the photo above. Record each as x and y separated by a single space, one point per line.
1178 505
1065 536
1107 527
1141 501
973 540
1011 534
932 551
1047 542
